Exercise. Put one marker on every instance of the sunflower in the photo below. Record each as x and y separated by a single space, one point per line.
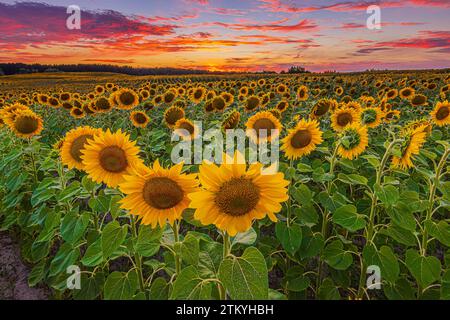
157 195
99 89
282 88
139 119
252 103
75 141
172 115
231 120
126 99
102 104
413 141
43 98
407 93
371 117
277 113
302 93
263 126
110 156
282 106
339 91
53 102
77 113
419 100
321 108
169 96
198 94
232 197
186 129
24 123
354 140
302 139
229 98
219 103
392 94
65 97
343 117
391 116
441 113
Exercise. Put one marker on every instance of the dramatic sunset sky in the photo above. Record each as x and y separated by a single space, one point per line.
229 35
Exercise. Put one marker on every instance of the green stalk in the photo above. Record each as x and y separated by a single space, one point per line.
176 230
226 252
137 257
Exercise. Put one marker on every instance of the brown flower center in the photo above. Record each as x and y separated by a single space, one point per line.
301 139
127 98
186 126
442 113
78 145
264 127
162 193
140 118
344 119
26 124
113 159
237 197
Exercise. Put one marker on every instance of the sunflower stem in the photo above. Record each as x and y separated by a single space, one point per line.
137 257
226 252
176 234
33 161
431 198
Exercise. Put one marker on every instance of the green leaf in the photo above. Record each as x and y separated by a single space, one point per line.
335 256
440 231
112 237
189 285
148 241
328 291
93 255
159 289
247 238
400 235
73 226
37 273
312 245
425 270
65 257
385 259
90 286
289 236
353 179
445 286
401 290
307 215
295 279
388 195
70 192
120 286
347 217
245 277
190 248
402 216
302 194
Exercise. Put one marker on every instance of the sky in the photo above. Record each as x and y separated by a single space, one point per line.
229 35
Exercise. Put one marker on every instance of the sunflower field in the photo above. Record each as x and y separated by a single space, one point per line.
358 209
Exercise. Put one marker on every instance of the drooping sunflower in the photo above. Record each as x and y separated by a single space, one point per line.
231 120
186 129
371 117
321 108
139 119
302 139
419 100
110 156
441 113
263 126
25 123
413 141
252 103
354 140
302 93
172 115
232 196
342 118
157 195
75 141
126 99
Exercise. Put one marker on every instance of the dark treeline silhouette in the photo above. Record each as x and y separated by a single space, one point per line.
22 68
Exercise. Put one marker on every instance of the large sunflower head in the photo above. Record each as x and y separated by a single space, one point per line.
441 113
157 195
302 139
371 117
169 96
139 119
321 108
353 141
219 103
342 118
73 143
198 94
110 156
232 196
419 100
263 126
126 99
102 104
24 123
412 142
172 115
407 93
